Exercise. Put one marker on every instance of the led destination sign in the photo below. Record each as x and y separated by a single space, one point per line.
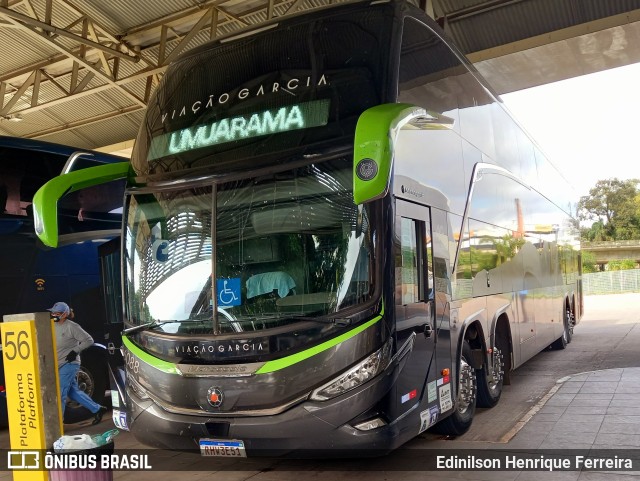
241 127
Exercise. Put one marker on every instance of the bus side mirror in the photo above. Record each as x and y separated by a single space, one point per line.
45 200
375 136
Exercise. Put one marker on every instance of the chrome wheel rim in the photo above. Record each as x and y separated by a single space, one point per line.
497 370
467 387
85 384
565 331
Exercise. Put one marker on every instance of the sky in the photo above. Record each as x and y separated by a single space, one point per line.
588 126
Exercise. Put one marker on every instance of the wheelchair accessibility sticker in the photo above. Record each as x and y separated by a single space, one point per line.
160 250
228 292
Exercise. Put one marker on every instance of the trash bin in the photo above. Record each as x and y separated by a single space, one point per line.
81 465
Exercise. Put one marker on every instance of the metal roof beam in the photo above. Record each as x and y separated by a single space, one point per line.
103 59
173 18
15 74
293 8
61 100
84 122
233 17
55 82
162 38
28 21
100 52
122 46
77 94
478 9
213 29
43 37
19 93
270 10
187 38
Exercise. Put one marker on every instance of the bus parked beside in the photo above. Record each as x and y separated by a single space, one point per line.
335 237
33 276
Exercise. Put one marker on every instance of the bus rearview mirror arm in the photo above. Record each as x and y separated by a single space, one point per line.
45 200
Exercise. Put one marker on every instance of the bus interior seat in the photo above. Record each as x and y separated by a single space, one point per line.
267 282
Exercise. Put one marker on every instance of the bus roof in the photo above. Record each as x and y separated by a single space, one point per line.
56 149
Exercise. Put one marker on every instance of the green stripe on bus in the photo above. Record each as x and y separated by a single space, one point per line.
269 366
159 364
278 364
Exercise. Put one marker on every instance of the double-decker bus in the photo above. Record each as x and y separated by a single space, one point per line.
335 237
33 276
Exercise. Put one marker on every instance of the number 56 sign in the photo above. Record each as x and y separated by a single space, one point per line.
17 344
21 381
28 353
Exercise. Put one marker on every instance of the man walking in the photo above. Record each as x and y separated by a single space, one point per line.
71 339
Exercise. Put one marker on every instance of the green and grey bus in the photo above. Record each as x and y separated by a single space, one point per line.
335 237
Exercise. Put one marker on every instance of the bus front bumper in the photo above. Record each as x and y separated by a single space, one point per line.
308 429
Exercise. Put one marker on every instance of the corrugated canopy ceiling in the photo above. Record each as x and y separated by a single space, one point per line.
80 72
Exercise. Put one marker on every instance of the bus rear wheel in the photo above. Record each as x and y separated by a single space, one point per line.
490 380
565 338
460 421
570 323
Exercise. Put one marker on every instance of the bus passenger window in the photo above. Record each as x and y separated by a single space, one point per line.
407 264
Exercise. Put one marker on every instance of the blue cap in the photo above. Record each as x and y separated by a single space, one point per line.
60 307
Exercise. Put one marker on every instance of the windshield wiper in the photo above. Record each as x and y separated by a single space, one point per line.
339 321
153 324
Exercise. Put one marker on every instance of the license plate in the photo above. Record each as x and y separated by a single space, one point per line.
225 449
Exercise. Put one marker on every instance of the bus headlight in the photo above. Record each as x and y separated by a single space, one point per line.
362 372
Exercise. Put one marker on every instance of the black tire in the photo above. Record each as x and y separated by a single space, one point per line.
565 338
460 421
490 380
92 379
570 323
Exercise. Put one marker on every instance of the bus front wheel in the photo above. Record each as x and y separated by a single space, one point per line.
92 379
460 420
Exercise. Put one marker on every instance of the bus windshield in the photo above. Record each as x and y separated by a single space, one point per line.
288 246
229 102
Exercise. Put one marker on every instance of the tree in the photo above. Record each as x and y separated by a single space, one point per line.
613 206
589 262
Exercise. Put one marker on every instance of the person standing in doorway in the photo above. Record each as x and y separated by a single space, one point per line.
71 339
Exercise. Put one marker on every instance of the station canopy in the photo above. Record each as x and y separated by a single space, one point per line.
80 72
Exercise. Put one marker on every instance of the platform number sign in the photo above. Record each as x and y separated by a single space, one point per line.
24 394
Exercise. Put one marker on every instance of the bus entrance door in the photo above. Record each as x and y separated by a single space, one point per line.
109 255
414 305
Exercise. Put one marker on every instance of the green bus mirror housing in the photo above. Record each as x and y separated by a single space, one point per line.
45 200
376 133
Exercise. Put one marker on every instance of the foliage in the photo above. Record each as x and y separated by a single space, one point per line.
613 206
589 262
507 247
621 265
495 251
